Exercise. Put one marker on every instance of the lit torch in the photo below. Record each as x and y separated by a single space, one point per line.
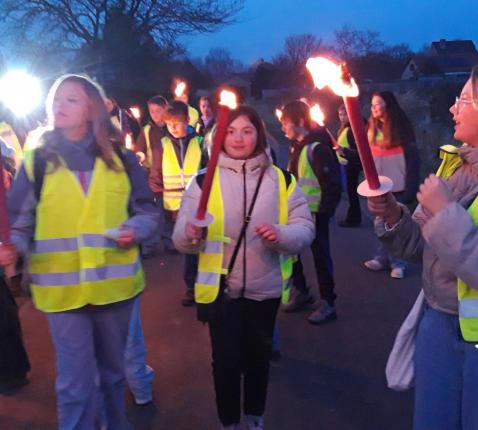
278 114
318 116
128 141
227 102
180 89
136 112
327 73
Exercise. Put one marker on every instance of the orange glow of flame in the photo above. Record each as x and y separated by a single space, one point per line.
279 114
128 141
135 111
229 99
327 73
180 88
317 115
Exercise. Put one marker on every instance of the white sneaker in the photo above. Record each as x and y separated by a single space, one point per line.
254 422
374 265
397 273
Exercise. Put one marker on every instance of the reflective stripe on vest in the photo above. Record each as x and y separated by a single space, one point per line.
308 182
149 151
175 179
467 296
211 258
73 264
343 141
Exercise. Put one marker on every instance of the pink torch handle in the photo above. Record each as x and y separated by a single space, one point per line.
217 143
361 140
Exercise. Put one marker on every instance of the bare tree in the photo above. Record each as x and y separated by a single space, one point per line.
82 22
219 64
351 42
297 49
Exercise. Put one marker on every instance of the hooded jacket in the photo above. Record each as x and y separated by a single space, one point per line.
446 243
260 264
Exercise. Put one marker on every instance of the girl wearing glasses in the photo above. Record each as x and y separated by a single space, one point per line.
443 233
392 141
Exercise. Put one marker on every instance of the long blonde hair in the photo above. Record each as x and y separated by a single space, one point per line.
104 132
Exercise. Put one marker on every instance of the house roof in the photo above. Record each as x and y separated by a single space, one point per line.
447 57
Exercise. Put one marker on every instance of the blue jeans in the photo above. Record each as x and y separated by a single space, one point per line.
382 255
446 375
90 342
138 374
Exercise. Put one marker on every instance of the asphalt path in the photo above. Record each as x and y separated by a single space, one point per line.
330 377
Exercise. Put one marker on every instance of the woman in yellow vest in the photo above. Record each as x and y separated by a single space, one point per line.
80 204
443 234
246 295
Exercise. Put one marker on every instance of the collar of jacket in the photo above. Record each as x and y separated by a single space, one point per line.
251 165
184 139
469 155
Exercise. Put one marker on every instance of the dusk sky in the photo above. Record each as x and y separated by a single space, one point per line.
264 24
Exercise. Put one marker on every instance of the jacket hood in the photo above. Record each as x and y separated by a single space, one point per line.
469 155
250 164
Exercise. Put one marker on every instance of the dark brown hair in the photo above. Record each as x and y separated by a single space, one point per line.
177 109
396 129
256 121
296 111
158 100
104 132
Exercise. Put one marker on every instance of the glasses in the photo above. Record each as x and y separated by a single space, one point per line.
459 101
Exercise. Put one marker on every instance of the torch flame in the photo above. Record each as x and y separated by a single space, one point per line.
128 141
317 115
228 98
279 114
180 88
135 111
327 73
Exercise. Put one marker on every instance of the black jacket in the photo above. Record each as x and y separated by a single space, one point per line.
325 166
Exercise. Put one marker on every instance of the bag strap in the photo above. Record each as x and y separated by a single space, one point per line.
247 220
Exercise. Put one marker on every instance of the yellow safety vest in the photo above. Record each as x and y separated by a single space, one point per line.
210 267
343 141
149 151
176 178
308 182
193 116
72 263
467 296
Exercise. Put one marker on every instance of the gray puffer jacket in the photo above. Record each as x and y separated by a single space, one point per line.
261 262
447 243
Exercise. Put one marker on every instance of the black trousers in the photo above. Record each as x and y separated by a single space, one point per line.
13 357
322 260
352 172
241 339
